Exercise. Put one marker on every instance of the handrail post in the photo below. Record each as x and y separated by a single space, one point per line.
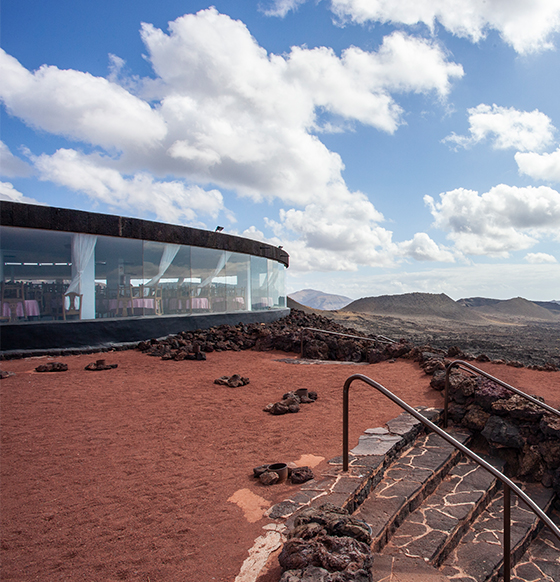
446 394
345 400
507 483
507 533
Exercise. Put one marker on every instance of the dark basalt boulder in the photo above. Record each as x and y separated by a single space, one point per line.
52 367
301 475
518 407
334 554
501 432
234 381
327 545
488 392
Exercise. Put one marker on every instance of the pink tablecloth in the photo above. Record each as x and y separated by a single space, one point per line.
115 304
31 309
200 303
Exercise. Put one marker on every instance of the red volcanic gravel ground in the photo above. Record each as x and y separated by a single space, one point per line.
129 473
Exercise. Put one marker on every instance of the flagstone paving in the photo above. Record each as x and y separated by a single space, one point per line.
434 515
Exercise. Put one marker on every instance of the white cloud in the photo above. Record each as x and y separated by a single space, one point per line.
540 166
9 193
536 258
79 106
423 248
526 25
282 7
12 166
507 128
505 219
93 175
227 114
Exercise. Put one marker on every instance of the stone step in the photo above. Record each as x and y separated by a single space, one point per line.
404 569
407 482
479 555
436 527
541 561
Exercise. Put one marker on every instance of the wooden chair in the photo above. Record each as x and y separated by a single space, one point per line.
124 301
13 300
72 305
158 301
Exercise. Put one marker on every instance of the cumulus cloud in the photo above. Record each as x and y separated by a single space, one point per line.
526 25
540 166
222 112
536 258
9 193
423 248
505 219
282 7
93 175
12 166
506 128
79 106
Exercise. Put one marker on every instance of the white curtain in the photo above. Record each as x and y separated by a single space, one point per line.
221 264
83 246
83 272
169 253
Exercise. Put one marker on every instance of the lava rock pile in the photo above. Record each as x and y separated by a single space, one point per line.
52 367
290 402
524 435
234 381
283 335
327 545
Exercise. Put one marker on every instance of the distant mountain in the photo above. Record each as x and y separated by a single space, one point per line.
320 300
518 307
414 304
293 304
552 305
477 302
474 310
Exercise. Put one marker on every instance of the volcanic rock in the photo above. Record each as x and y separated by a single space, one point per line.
269 478
258 471
501 432
301 475
100 365
232 381
334 554
52 367
518 407
475 418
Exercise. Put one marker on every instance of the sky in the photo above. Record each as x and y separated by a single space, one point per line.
390 146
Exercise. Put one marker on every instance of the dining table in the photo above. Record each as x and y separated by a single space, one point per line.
26 308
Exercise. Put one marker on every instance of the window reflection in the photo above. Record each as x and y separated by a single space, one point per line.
51 275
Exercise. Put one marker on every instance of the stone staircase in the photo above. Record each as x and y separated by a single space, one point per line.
435 515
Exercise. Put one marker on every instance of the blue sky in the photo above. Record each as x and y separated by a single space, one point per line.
389 146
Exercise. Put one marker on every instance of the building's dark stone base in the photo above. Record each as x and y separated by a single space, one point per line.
31 338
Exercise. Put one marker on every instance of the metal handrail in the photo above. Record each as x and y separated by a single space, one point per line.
507 483
467 366
378 338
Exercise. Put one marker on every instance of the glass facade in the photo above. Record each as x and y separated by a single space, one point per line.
53 275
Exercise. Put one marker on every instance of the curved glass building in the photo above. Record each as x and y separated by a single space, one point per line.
72 278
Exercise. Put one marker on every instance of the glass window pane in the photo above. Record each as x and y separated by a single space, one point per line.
118 269
259 284
276 284
208 284
35 270
238 272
